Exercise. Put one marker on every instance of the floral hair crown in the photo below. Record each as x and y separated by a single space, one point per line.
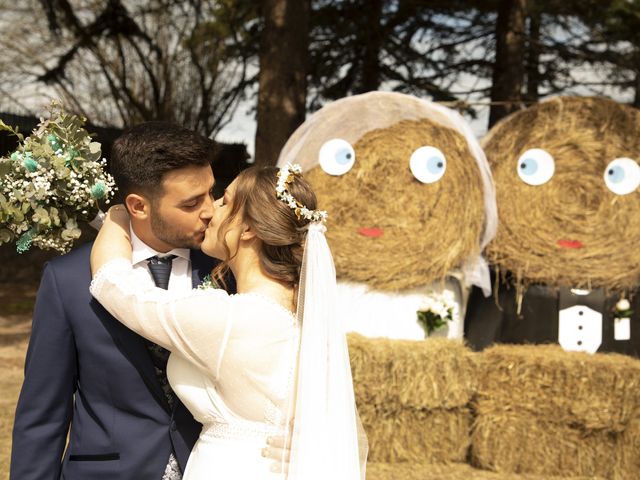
285 177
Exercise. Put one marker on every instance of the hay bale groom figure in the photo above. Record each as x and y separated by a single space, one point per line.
567 184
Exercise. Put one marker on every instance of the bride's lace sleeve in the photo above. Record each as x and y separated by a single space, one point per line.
192 323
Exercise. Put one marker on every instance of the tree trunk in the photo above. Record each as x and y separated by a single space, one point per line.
282 79
373 38
509 66
533 58
636 99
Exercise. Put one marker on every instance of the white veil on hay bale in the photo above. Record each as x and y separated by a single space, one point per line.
434 227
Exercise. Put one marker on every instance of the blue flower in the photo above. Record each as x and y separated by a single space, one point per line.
24 242
54 141
30 164
98 190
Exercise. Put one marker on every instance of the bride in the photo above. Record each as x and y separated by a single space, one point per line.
250 365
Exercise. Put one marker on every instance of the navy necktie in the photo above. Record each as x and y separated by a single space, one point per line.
160 268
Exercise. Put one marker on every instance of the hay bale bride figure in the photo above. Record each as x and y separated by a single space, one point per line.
412 205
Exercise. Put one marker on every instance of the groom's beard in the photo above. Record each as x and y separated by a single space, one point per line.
177 239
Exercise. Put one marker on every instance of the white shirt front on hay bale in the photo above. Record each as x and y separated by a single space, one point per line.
376 313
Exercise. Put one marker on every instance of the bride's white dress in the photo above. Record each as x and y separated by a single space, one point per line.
232 364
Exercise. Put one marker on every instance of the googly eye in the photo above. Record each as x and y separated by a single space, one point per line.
428 164
622 176
536 166
336 156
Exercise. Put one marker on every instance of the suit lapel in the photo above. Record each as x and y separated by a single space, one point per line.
134 347
201 266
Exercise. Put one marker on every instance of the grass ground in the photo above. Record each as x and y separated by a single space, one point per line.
16 305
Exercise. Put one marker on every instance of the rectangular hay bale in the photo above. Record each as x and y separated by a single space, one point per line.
509 443
410 435
454 471
600 391
628 452
429 374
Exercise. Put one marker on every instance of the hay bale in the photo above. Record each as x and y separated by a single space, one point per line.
510 443
380 192
410 435
396 374
628 451
583 135
454 471
390 198
590 391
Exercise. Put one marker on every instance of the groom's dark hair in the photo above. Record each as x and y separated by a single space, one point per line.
143 154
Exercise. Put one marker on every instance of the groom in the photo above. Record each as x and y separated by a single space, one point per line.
86 375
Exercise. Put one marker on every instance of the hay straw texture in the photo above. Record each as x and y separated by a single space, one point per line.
628 452
583 135
398 374
422 471
571 388
410 435
510 443
429 229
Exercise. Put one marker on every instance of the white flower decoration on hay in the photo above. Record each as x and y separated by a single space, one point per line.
436 310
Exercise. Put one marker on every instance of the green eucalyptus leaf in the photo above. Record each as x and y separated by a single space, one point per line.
95 147
13 131
6 235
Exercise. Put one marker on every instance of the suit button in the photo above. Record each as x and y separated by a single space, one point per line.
174 427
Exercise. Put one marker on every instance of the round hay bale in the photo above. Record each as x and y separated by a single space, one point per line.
510 443
426 229
411 435
398 374
569 388
571 231
423 239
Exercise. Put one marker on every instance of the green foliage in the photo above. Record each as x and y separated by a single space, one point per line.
50 183
13 131
431 321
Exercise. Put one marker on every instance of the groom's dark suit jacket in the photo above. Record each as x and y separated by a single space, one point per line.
86 371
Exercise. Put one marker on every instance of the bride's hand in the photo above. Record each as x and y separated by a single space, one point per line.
113 239
118 214
278 452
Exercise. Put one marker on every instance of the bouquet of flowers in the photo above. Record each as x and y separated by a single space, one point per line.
51 182
207 283
436 311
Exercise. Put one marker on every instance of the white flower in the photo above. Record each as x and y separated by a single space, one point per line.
623 304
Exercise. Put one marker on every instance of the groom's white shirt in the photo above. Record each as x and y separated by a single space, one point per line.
180 278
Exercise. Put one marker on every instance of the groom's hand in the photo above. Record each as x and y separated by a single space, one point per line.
277 451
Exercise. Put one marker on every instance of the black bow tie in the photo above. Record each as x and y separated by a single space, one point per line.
160 268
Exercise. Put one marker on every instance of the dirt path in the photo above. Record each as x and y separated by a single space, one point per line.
16 304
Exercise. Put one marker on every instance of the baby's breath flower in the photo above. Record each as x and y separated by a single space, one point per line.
52 185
